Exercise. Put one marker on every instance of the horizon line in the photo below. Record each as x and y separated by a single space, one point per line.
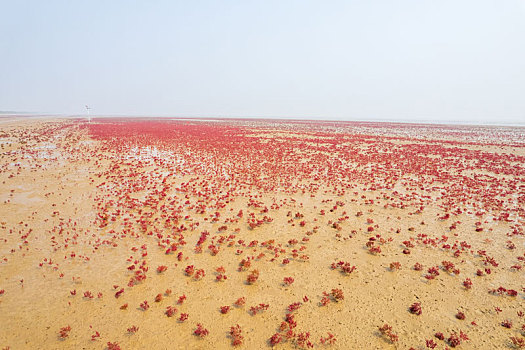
279 118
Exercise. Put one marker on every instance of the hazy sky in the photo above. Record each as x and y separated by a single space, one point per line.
460 60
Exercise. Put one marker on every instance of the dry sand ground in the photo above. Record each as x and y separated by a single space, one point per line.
60 178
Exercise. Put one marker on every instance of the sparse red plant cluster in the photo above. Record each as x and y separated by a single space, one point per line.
335 295
254 310
518 342
236 335
344 267
504 291
328 340
454 339
387 331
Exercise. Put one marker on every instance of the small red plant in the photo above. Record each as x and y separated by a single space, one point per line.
455 339
448 266
507 324
325 300
220 277
161 268
415 309
133 329
183 317
433 272
224 309
396 265
518 342
345 267
253 277
240 302
374 250
430 343
287 281
199 274
330 339
467 283
113 346
275 339
171 311
144 305
254 310
189 270
244 264
201 331
236 335
337 294
386 330
294 306
119 293
64 332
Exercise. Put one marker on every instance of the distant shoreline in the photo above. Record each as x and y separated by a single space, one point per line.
290 119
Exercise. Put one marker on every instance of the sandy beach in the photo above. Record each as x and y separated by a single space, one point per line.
140 233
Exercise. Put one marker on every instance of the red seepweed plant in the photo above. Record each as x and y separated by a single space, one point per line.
144 305
236 335
387 331
133 329
171 311
328 340
240 302
415 309
200 331
253 277
64 332
254 310
288 281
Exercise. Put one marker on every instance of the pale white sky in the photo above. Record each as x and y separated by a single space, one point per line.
446 60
